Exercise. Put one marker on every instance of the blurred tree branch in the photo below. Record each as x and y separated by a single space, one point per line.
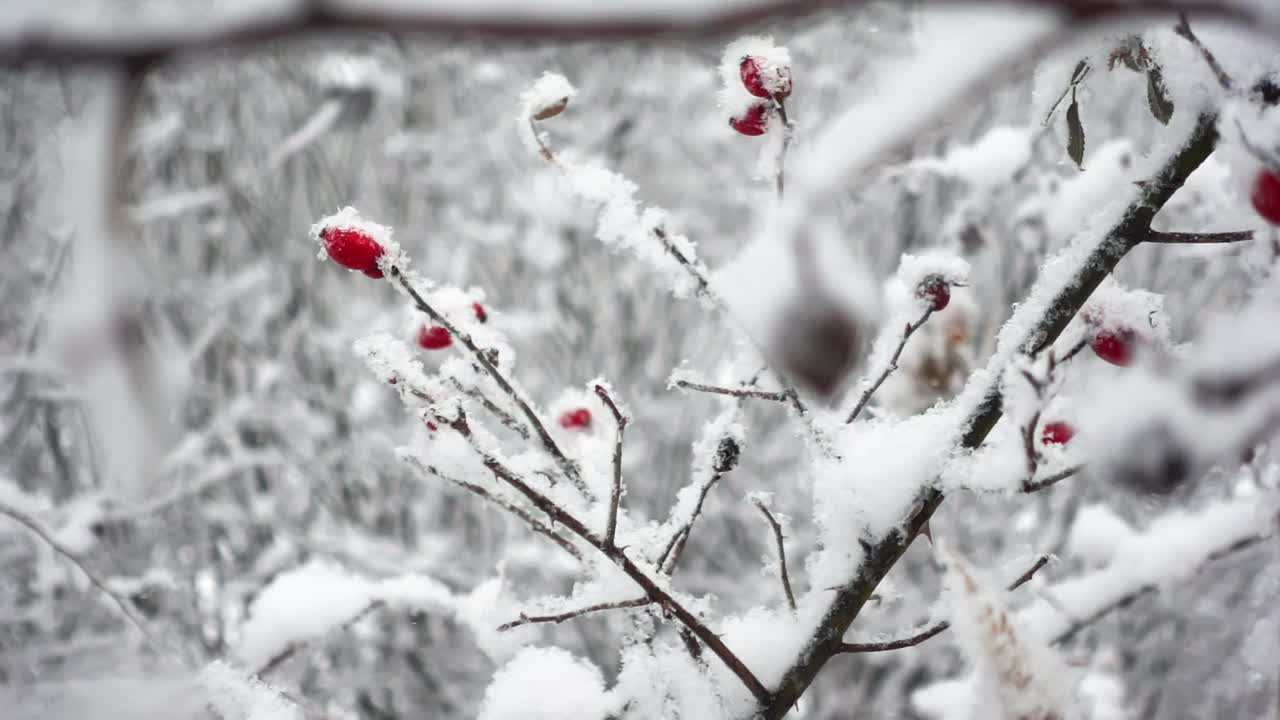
140 42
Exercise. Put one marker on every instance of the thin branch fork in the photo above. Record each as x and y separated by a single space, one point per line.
615 496
1192 238
738 392
939 627
571 614
569 468
1036 485
660 596
670 555
888 370
37 529
782 550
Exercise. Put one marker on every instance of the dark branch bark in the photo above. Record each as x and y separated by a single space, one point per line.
615 497
888 370
848 600
782 551
571 614
1190 238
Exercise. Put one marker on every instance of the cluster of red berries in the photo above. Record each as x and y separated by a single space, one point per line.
354 249
1266 195
762 81
436 337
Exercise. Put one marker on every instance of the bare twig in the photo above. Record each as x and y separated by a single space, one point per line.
675 546
888 370
1191 238
292 649
1183 28
1078 624
569 615
788 134
569 468
1036 485
698 273
504 417
939 627
534 523
54 544
615 497
782 550
739 392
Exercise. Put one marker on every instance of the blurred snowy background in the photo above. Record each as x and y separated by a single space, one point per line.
274 511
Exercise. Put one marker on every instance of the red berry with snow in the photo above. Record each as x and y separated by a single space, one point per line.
763 81
431 426
434 337
936 291
1266 196
481 315
1058 432
578 419
755 121
354 249
1114 346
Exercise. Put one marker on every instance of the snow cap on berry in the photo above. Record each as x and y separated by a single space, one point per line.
772 64
547 97
348 219
1134 315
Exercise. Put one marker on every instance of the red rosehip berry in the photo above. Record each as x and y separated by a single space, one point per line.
752 79
431 426
481 315
354 249
434 337
1266 196
1114 346
755 121
936 291
579 419
1058 432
